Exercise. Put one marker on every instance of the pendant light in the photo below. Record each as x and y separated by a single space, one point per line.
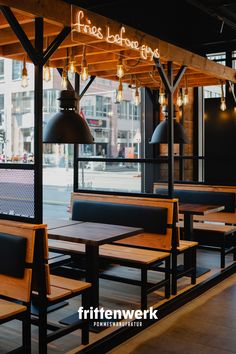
160 134
67 126
162 96
46 72
179 100
185 98
24 75
120 68
222 100
72 63
119 96
84 66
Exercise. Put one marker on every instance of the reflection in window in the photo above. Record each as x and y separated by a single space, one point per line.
22 102
103 106
50 102
1 70
1 109
16 69
215 91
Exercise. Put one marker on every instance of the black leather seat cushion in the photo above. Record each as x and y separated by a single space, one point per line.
12 255
151 219
204 197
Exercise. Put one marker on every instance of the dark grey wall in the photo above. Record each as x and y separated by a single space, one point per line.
220 143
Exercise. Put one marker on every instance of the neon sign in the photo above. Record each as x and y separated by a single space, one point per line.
84 25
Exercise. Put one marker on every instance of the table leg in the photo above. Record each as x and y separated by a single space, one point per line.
92 274
188 227
188 235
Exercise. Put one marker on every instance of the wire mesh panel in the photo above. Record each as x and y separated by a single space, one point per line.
17 192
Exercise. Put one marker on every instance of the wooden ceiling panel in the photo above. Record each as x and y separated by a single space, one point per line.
102 55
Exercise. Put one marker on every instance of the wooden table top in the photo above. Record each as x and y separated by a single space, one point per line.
92 233
223 217
199 209
57 223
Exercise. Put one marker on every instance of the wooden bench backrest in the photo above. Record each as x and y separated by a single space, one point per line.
197 187
19 288
166 241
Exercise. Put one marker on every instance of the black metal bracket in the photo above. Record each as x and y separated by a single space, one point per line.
55 43
92 78
19 32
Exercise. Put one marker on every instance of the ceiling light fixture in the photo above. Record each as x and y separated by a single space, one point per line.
160 134
67 126
72 62
46 72
179 100
120 68
186 98
119 96
64 79
84 66
24 75
222 100
162 96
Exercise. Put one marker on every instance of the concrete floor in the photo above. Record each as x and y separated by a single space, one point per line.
207 325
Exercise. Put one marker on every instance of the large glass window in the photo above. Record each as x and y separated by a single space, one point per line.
1 108
1 70
16 69
215 91
103 106
116 129
50 102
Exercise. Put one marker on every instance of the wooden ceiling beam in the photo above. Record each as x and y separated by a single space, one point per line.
22 19
56 11
7 35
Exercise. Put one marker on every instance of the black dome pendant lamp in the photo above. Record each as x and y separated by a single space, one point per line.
67 126
160 134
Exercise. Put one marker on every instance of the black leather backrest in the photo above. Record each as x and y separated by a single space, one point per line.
12 255
151 219
204 197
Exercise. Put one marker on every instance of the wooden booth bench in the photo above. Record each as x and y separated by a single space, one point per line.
159 241
214 230
25 276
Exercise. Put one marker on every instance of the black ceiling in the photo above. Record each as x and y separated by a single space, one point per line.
201 26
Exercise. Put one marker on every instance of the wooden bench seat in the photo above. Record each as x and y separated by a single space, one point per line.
112 251
10 309
222 217
75 286
167 236
219 236
126 256
223 229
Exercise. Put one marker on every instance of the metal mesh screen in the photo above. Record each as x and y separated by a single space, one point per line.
17 192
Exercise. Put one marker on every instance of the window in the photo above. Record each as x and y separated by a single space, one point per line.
215 91
16 69
87 106
1 109
122 109
22 102
50 102
1 70
103 106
